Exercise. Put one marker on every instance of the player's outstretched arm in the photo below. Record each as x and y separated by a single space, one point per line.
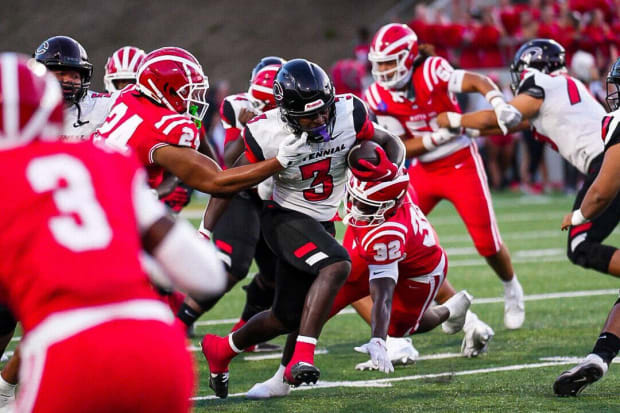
602 191
381 292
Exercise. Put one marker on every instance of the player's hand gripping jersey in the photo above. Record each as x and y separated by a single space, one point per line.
569 117
317 185
230 110
413 112
137 123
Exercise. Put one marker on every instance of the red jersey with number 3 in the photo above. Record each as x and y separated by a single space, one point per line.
407 238
68 229
414 112
138 123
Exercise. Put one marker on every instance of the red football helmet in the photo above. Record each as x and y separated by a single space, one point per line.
31 102
172 77
369 204
393 42
261 88
122 65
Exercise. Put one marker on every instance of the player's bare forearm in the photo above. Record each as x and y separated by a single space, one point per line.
414 147
235 179
381 291
482 119
523 125
232 150
605 187
474 82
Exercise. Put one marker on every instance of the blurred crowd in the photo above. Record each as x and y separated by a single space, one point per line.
476 36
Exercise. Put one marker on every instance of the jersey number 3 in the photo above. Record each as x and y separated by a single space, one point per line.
319 171
81 224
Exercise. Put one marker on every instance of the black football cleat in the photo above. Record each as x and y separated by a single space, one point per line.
573 381
303 372
219 384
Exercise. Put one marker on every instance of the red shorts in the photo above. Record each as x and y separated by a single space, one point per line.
120 365
412 297
460 178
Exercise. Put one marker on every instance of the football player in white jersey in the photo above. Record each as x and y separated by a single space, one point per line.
237 234
600 197
297 221
85 110
561 112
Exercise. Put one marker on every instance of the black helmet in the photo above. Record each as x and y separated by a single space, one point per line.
613 93
303 89
65 53
545 55
266 61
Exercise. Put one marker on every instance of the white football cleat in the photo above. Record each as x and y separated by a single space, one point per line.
514 305
273 387
478 334
400 350
573 381
458 305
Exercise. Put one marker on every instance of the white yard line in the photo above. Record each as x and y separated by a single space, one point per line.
389 381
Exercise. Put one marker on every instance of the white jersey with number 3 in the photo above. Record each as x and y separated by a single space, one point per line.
569 118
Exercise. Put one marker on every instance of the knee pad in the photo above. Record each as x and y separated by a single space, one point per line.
590 254
259 297
7 321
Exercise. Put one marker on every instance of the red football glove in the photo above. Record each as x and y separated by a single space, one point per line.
384 171
178 198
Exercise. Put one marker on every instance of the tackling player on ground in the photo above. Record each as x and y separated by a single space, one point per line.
411 88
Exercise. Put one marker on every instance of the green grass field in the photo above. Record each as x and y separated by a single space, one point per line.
515 374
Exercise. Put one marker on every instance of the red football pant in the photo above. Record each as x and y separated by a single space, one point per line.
411 298
460 178
118 366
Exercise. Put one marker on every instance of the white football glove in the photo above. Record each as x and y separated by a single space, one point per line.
437 138
293 150
377 350
507 117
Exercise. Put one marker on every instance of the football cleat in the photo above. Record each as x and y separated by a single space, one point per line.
478 334
400 350
219 383
302 372
458 305
274 387
573 381
514 306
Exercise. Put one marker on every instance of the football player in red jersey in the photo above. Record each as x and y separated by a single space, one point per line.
155 118
121 68
599 198
411 88
297 220
237 234
80 247
85 110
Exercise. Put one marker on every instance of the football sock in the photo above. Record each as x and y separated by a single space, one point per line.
510 284
607 346
237 326
187 315
304 350
219 351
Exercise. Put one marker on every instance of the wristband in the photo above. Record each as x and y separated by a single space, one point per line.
155 193
428 142
454 119
577 218
495 98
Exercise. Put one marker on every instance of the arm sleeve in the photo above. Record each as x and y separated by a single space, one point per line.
383 271
227 114
455 83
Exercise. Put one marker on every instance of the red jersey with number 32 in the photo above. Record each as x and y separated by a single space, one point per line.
414 112
136 122
407 237
68 229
